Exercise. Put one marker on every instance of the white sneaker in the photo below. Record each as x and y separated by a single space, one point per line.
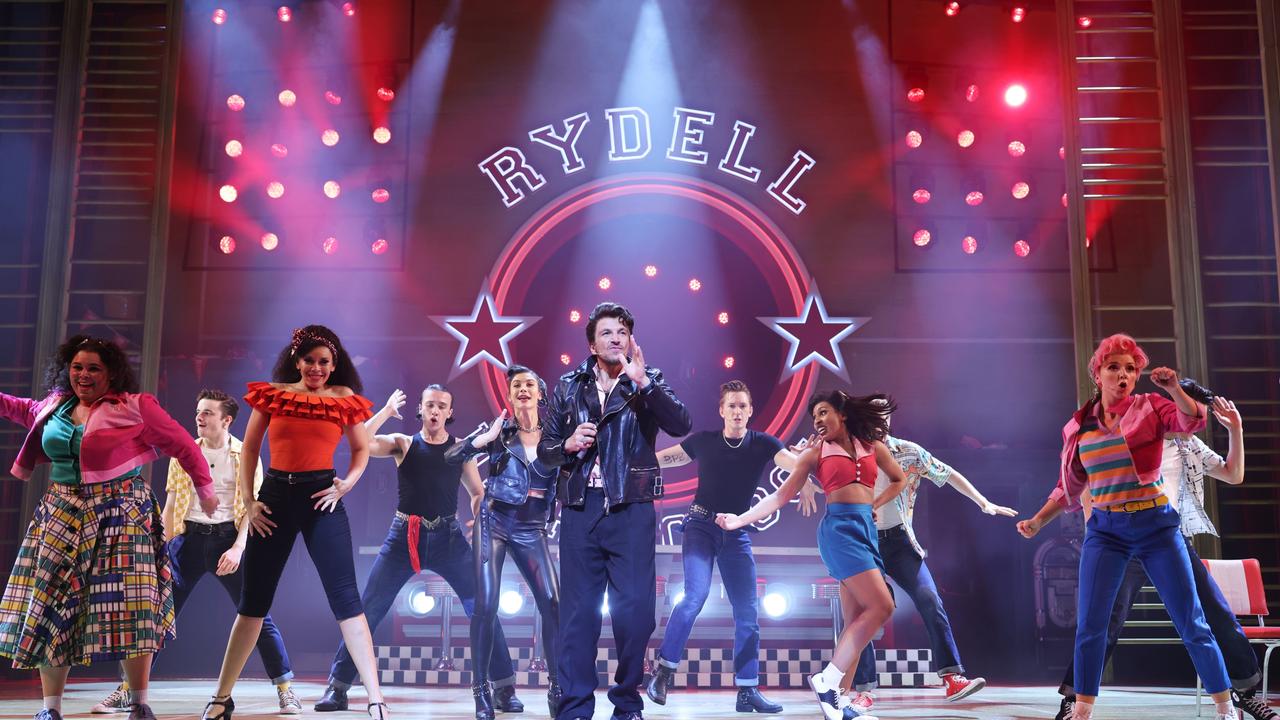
117 702
829 698
289 703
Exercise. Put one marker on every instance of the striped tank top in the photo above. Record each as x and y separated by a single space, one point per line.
1106 460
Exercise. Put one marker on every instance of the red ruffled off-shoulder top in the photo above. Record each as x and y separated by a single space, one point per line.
305 429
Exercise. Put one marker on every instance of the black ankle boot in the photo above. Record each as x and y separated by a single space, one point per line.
224 708
750 700
484 701
554 695
333 700
505 700
657 686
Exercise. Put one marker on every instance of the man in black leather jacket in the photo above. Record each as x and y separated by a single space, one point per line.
603 422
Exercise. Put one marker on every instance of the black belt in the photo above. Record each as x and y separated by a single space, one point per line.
300 478
211 528
890 532
699 511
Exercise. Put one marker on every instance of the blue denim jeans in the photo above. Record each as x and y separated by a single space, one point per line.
1111 540
905 567
706 544
443 551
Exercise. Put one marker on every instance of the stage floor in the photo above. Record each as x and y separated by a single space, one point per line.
183 700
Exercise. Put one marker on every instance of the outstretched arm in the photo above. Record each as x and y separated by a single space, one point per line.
776 499
966 488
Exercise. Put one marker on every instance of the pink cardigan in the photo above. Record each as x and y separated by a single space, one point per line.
123 431
1146 419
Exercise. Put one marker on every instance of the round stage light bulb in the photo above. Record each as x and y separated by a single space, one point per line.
227 244
1015 95
565 359
219 16
915 95
651 271
1021 190
1062 153
379 247
332 97
574 316
235 102
974 198
1022 248
510 602
969 244
965 138
234 148
1064 199
723 318
382 135
420 603
775 604
728 362
228 193
381 195
695 284
971 93
349 9
329 137
330 245
1017 148
287 98
914 139
386 94
604 283
332 189
275 189
279 150
952 9
269 241
921 196
1018 14
284 14
1084 21
922 238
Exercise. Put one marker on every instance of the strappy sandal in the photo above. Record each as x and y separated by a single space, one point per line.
383 711
227 704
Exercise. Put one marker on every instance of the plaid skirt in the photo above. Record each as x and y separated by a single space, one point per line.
92 581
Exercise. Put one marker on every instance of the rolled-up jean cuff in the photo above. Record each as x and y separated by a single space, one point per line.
667 663
866 687
952 670
746 682
511 680
1248 683
337 684
282 679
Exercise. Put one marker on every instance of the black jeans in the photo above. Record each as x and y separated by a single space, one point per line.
521 532
195 553
599 551
328 539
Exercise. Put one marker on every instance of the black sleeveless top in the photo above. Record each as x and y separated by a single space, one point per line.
428 485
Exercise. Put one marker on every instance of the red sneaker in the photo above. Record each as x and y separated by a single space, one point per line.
959 686
863 700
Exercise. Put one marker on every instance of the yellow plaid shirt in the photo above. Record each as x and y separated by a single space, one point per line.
183 492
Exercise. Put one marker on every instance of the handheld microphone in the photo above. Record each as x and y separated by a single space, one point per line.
1198 392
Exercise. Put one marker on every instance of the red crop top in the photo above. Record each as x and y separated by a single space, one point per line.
836 469
305 429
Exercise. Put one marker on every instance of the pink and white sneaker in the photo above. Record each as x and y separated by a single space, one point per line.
958 686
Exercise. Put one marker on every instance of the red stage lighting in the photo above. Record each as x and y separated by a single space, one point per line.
971 93
651 271
604 283
965 138
915 94
228 193
270 241
974 198
565 359
279 150
1015 95
952 9
227 244
574 316
382 135
914 139
275 189
349 9
1064 199
219 16
379 247
332 188
969 244
329 137
386 94
723 318
1062 153
287 98
381 195
332 97
234 148
235 102
1021 189
330 245
1016 148
1018 14
922 237
921 196
284 14
1084 21
728 362
1022 248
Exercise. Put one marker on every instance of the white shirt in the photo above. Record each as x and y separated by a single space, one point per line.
224 487
888 515
596 478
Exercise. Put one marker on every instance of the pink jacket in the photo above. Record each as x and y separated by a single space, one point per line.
123 431
1146 419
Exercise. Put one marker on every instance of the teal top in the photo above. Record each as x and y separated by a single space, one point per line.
61 443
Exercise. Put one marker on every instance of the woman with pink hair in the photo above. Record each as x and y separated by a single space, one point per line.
1111 453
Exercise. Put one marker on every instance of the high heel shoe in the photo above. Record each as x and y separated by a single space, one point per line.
383 711
484 701
227 704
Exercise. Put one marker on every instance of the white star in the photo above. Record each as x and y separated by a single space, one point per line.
810 338
488 336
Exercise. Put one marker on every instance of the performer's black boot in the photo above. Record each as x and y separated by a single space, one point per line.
334 699
657 686
484 701
505 700
554 694
750 700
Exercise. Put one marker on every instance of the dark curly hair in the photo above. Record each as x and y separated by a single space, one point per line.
305 340
57 377
609 310
865 417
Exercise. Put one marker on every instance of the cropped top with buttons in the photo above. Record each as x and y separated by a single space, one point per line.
837 469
